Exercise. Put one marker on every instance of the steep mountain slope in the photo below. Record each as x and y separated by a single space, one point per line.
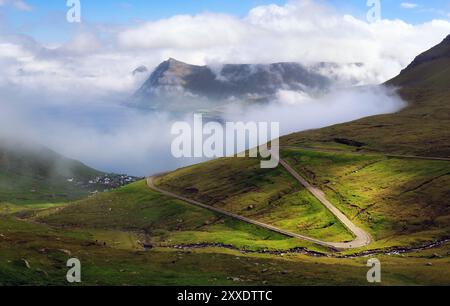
177 85
35 174
419 129
430 69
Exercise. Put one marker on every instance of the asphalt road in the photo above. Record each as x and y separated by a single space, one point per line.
362 238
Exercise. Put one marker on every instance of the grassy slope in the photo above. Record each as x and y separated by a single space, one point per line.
38 175
46 249
419 129
268 195
160 220
435 74
399 201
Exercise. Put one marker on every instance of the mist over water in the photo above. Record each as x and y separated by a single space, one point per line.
106 135
338 106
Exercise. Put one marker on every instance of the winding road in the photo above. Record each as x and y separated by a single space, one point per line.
362 238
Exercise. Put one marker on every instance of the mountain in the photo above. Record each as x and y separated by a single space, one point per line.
429 69
419 129
140 70
174 84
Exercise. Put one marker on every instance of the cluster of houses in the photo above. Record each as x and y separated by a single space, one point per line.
107 181
113 180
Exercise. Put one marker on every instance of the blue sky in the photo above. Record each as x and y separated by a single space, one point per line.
46 20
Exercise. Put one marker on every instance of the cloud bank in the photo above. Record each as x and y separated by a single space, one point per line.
300 31
114 138
333 108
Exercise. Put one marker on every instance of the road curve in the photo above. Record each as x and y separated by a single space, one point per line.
151 185
362 238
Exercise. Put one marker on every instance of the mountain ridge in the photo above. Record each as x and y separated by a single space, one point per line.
429 69
179 81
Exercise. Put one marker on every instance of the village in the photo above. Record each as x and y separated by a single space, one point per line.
106 182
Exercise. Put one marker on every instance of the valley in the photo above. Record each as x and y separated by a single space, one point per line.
107 246
375 187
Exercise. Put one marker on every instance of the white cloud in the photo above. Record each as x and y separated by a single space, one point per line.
409 5
82 66
18 4
311 113
301 31
186 32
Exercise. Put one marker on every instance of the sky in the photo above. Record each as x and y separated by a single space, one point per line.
45 20
64 84
140 32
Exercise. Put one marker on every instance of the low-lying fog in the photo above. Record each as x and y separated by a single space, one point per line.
106 135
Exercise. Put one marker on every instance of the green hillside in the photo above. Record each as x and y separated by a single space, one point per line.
271 196
430 69
106 233
399 201
161 221
34 174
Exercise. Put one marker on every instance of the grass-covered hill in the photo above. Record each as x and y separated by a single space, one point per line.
186 245
399 201
30 173
161 221
271 196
